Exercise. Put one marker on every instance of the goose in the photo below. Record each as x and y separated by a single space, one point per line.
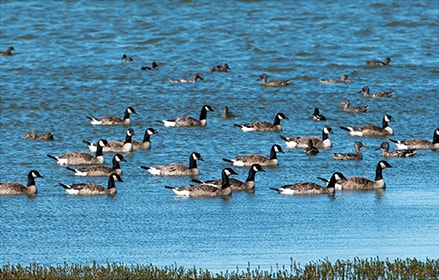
100 170
187 121
344 79
126 58
9 188
310 149
82 158
114 120
207 190
226 114
249 160
195 78
7 52
146 143
153 66
418 144
380 63
349 156
177 169
395 154
115 146
366 93
345 103
372 130
264 126
302 141
220 68
273 83
361 183
43 137
316 116
310 188
93 188
236 184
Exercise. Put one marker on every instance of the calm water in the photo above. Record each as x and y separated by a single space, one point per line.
67 65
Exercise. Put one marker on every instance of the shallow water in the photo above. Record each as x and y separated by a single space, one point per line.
67 65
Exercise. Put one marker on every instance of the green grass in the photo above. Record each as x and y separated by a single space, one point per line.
373 268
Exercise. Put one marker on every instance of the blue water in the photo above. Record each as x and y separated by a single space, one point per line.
67 65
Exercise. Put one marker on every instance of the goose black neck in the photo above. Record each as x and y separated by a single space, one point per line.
435 137
385 123
126 115
379 172
251 175
30 180
111 183
273 154
146 137
324 135
203 114
276 120
116 164
192 163
128 138
225 183
99 150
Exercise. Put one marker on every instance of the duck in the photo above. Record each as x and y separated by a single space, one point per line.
100 170
386 62
310 149
7 52
344 79
114 120
249 160
311 188
263 125
9 188
207 190
146 142
92 188
349 156
115 146
361 183
302 141
126 58
220 68
273 83
372 130
188 121
177 169
43 137
418 144
345 103
226 114
366 93
195 78
395 154
153 66
82 158
316 116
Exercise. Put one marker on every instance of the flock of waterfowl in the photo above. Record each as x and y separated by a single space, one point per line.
88 164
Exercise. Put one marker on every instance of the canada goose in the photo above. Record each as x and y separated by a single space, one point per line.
8 188
380 63
273 83
115 146
310 149
395 154
316 116
146 143
187 121
344 79
302 141
195 78
226 114
348 109
126 58
82 158
93 188
153 66
7 52
372 130
114 120
220 68
418 144
249 160
361 183
43 137
100 170
366 93
349 156
264 126
310 188
207 190
177 169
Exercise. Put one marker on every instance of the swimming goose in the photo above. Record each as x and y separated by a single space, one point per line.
187 121
344 79
207 190
274 83
114 120
249 160
378 62
126 58
8 188
418 144
93 188
82 158
195 78
115 146
349 156
177 169
395 154
100 170
361 183
44 137
310 149
302 141
264 126
154 66
146 143
348 109
366 93
220 68
226 114
316 116
7 52
310 188
372 130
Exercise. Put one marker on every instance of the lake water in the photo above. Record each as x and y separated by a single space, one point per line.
67 65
